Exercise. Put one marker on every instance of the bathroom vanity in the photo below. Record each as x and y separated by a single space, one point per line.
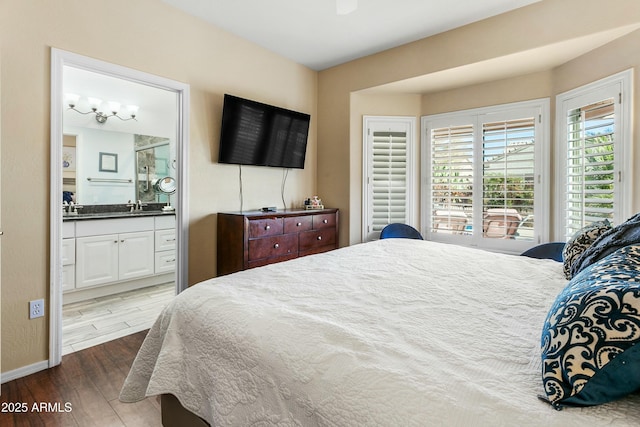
111 252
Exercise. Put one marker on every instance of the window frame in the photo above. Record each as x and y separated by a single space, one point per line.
618 86
540 109
409 123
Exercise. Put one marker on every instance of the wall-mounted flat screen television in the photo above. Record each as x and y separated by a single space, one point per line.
254 133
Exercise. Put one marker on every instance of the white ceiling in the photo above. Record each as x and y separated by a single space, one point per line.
310 32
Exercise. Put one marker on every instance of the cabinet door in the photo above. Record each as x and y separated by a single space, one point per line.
136 255
96 260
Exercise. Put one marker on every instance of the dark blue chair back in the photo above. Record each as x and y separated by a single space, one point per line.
401 231
551 250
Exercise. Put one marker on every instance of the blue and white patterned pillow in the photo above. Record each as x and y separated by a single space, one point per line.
591 337
580 242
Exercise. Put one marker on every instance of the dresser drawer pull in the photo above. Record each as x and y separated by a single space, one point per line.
276 246
326 221
319 237
298 224
267 227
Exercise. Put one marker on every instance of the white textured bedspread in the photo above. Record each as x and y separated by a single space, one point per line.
390 333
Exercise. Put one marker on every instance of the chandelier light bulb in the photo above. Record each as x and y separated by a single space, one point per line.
71 99
95 103
133 110
114 107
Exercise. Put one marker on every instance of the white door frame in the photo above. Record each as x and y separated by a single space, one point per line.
60 59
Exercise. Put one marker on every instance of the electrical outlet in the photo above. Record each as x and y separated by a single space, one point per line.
36 308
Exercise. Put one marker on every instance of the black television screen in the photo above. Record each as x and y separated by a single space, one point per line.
254 133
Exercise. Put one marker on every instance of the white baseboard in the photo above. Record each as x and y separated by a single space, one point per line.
5 377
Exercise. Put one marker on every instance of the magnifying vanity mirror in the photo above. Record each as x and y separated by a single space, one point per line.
166 185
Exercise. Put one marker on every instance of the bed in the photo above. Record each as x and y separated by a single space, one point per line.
394 332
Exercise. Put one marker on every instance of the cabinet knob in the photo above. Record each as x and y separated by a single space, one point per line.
298 224
326 221
267 227
319 237
276 246
122 241
115 241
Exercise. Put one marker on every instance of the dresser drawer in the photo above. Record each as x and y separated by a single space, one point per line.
324 221
272 260
273 246
298 224
265 227
317 238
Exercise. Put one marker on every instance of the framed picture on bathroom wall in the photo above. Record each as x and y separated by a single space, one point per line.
108 162
68 158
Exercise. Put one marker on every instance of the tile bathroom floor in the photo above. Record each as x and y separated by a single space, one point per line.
98 320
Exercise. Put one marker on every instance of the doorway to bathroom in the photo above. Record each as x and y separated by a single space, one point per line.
119 227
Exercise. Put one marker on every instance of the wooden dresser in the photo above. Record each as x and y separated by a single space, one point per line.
252 239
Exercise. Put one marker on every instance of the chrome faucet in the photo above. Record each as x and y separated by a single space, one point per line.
137 206
71 208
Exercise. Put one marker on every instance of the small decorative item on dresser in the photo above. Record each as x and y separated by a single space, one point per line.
313 203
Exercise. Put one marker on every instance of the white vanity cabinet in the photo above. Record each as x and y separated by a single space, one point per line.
113 257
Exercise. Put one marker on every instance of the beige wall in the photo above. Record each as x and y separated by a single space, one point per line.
536 28
150 36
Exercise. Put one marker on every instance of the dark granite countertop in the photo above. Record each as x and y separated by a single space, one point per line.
116 211
105 215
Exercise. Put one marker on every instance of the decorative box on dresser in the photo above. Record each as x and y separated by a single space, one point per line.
252 239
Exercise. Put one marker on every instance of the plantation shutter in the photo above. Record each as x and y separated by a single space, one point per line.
452 179
508 149
388 163
590 165
486 182
389 178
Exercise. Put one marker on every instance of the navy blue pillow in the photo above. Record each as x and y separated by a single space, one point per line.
591 337
627 233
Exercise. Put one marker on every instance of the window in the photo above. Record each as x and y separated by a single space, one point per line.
388 173
594 154
484 168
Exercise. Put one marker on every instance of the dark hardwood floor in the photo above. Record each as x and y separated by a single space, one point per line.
82 391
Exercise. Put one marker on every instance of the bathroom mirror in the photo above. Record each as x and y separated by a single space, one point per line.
140 161
98 119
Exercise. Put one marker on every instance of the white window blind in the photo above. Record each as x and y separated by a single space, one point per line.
388 174
389 177
451 179
590 164
508 149
595 163
485 182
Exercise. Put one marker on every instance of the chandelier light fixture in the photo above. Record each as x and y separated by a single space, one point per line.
72 99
